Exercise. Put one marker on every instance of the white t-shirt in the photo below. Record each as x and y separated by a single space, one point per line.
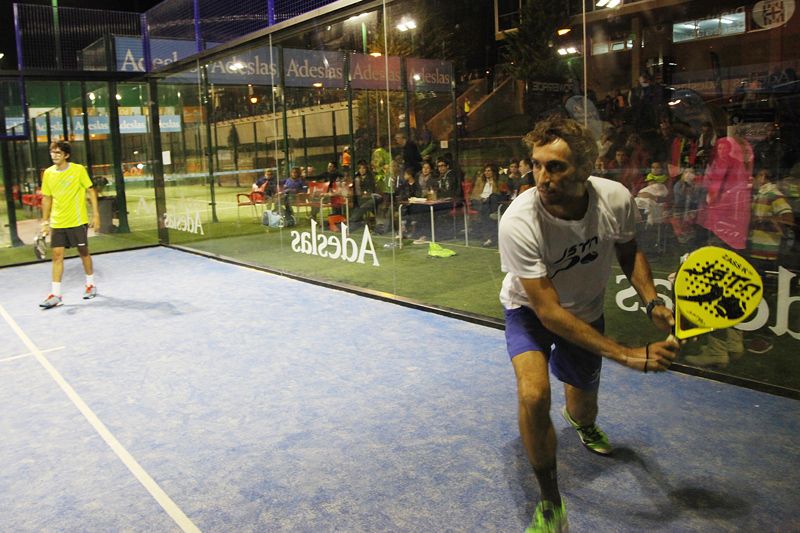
575 254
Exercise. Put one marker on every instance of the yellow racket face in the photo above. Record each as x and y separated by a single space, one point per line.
716 288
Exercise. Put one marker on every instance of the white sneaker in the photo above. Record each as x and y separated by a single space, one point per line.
90 292
421 240
52 300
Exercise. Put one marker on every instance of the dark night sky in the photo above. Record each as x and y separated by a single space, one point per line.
7 45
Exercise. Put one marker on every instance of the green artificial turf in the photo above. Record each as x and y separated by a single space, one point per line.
467 282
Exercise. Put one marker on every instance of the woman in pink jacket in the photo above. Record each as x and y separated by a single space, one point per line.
728 181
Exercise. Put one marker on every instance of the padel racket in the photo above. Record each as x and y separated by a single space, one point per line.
40 246
715 288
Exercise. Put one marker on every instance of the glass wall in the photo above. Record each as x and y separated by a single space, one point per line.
261 147
116 154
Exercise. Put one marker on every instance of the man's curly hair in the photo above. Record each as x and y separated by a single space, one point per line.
579 139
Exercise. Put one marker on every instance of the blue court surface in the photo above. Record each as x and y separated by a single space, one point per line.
198 395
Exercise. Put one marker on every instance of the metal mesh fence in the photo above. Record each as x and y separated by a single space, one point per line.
83 35
78 29
223 21
168 22
286 9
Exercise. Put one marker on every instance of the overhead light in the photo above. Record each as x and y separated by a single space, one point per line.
564 31
118 97
562 51
254 99
406 24
614 3
317 84
572 50
92 97
601 3
375 54
237 66
417 77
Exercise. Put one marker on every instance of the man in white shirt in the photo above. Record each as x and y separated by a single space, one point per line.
557 243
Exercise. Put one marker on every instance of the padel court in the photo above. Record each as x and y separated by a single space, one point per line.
194 394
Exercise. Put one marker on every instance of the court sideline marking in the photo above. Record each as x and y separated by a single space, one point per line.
127 459
20 356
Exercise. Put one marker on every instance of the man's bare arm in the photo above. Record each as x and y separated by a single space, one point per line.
636 268
546 304
47 205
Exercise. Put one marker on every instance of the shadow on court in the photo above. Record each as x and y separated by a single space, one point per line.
164 308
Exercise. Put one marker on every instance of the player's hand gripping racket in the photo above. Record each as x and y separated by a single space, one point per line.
715 288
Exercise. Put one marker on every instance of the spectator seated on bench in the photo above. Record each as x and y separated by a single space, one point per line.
292 187
366 197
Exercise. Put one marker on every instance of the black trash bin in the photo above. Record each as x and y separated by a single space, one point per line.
105 206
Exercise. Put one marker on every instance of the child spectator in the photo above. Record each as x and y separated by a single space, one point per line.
655 192
771 219
687 195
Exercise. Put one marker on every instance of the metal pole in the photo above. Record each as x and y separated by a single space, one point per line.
585 70
335 145
204 87
87 148
5 166
349 90
305 140
56 33
158 165
284 111
116 157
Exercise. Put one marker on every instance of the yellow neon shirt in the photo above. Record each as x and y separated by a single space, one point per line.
68 189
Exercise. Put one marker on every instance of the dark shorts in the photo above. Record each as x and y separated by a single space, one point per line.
69 237
568 362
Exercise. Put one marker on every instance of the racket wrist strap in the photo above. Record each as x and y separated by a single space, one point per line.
652 304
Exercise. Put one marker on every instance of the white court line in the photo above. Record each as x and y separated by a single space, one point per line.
20 356
127 459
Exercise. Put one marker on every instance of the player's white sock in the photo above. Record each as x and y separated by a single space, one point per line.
56 289
89 279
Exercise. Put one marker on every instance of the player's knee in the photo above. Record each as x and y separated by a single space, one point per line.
533 396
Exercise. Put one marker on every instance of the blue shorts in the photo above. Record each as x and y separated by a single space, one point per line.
568 362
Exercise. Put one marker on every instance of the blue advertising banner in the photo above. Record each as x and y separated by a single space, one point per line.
429 75
130 52
12 122
258 66
304 68
56 130
99 125
368 72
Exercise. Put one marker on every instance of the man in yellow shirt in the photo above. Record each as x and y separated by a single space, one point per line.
64 187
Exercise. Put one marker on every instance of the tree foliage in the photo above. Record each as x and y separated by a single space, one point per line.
530 53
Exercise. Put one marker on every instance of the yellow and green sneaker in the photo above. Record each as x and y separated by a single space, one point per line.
549 519
591 436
